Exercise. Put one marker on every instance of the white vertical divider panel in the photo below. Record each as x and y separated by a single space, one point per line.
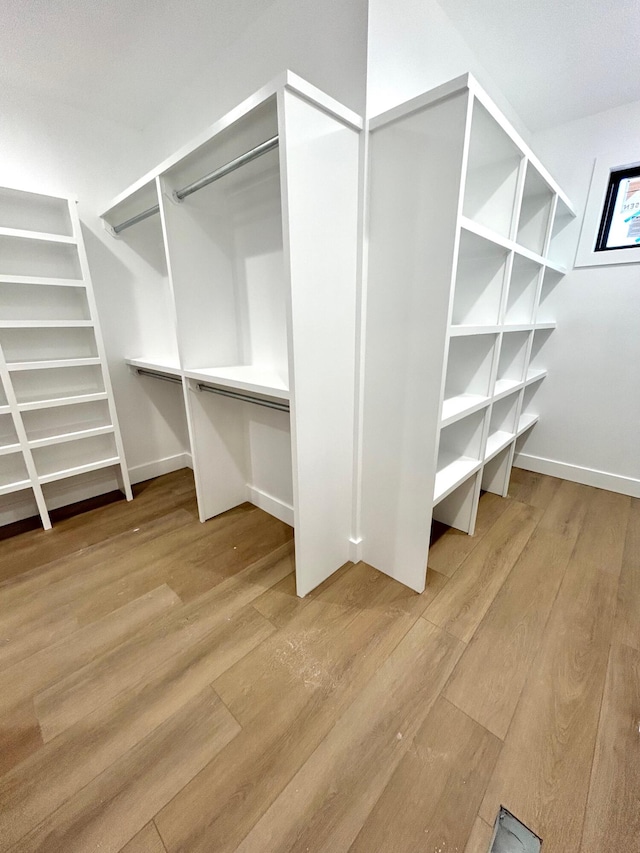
319 173
417 163
122 471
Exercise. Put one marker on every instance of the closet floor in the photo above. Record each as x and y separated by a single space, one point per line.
163 689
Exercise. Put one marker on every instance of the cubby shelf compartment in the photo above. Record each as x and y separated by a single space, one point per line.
52 355
459 453
251 293
535 211
480 276
550 280
526 422
460 214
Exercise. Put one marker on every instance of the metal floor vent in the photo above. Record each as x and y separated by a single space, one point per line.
511 836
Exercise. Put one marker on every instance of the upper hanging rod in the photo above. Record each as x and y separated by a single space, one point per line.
246 398
180 195
142 371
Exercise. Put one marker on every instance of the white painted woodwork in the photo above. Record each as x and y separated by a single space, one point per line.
256 280
461 217
56 390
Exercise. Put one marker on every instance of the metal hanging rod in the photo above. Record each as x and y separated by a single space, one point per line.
245 398
180 195
142 371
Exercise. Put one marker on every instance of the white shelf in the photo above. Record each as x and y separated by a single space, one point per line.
454 470
496 442
534 376
70 436
33 405
52 363
80 469
46 324
15 487
464 404
9 448
37 235
506 386
526 422
42 281
510 245
460 331
244 377
5 410
156 366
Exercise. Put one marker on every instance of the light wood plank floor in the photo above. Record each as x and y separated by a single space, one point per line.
162 689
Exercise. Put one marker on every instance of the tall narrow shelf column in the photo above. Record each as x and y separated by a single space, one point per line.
58 421
465 227
256 222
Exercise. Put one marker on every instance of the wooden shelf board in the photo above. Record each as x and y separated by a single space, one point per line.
37 235
526 422
496 442
80 469
46 324
42 281
518 327
452 472
34 405
9 448
5 409
15 487
458 407
71 436
157 366
544 327
505 243
52 363
244 377
552 265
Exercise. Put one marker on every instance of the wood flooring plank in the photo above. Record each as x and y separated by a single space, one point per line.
29 638
281 603
102 679
463 602
75 530
66 764
488 680
627 623
114 807
432 798
480 837
450 547
25 678
324 805
612 819
20 736
531 488
146 841
288 694
542 775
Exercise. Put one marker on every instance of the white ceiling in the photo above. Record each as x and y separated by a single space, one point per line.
555 60
123 59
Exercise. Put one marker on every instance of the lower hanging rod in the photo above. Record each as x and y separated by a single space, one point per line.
180 195
142 371
245 398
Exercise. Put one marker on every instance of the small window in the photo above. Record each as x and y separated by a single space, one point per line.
620 221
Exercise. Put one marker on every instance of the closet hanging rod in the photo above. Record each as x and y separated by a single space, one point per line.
180 195
246 398
142 371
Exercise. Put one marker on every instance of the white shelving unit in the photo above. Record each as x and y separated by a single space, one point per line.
57 416
465 240
247 307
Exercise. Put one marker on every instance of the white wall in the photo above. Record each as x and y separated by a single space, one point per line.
53 148
591 398
323 41
413 47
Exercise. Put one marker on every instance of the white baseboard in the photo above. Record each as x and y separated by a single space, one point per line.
149 470
578 474
274 506
355 549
